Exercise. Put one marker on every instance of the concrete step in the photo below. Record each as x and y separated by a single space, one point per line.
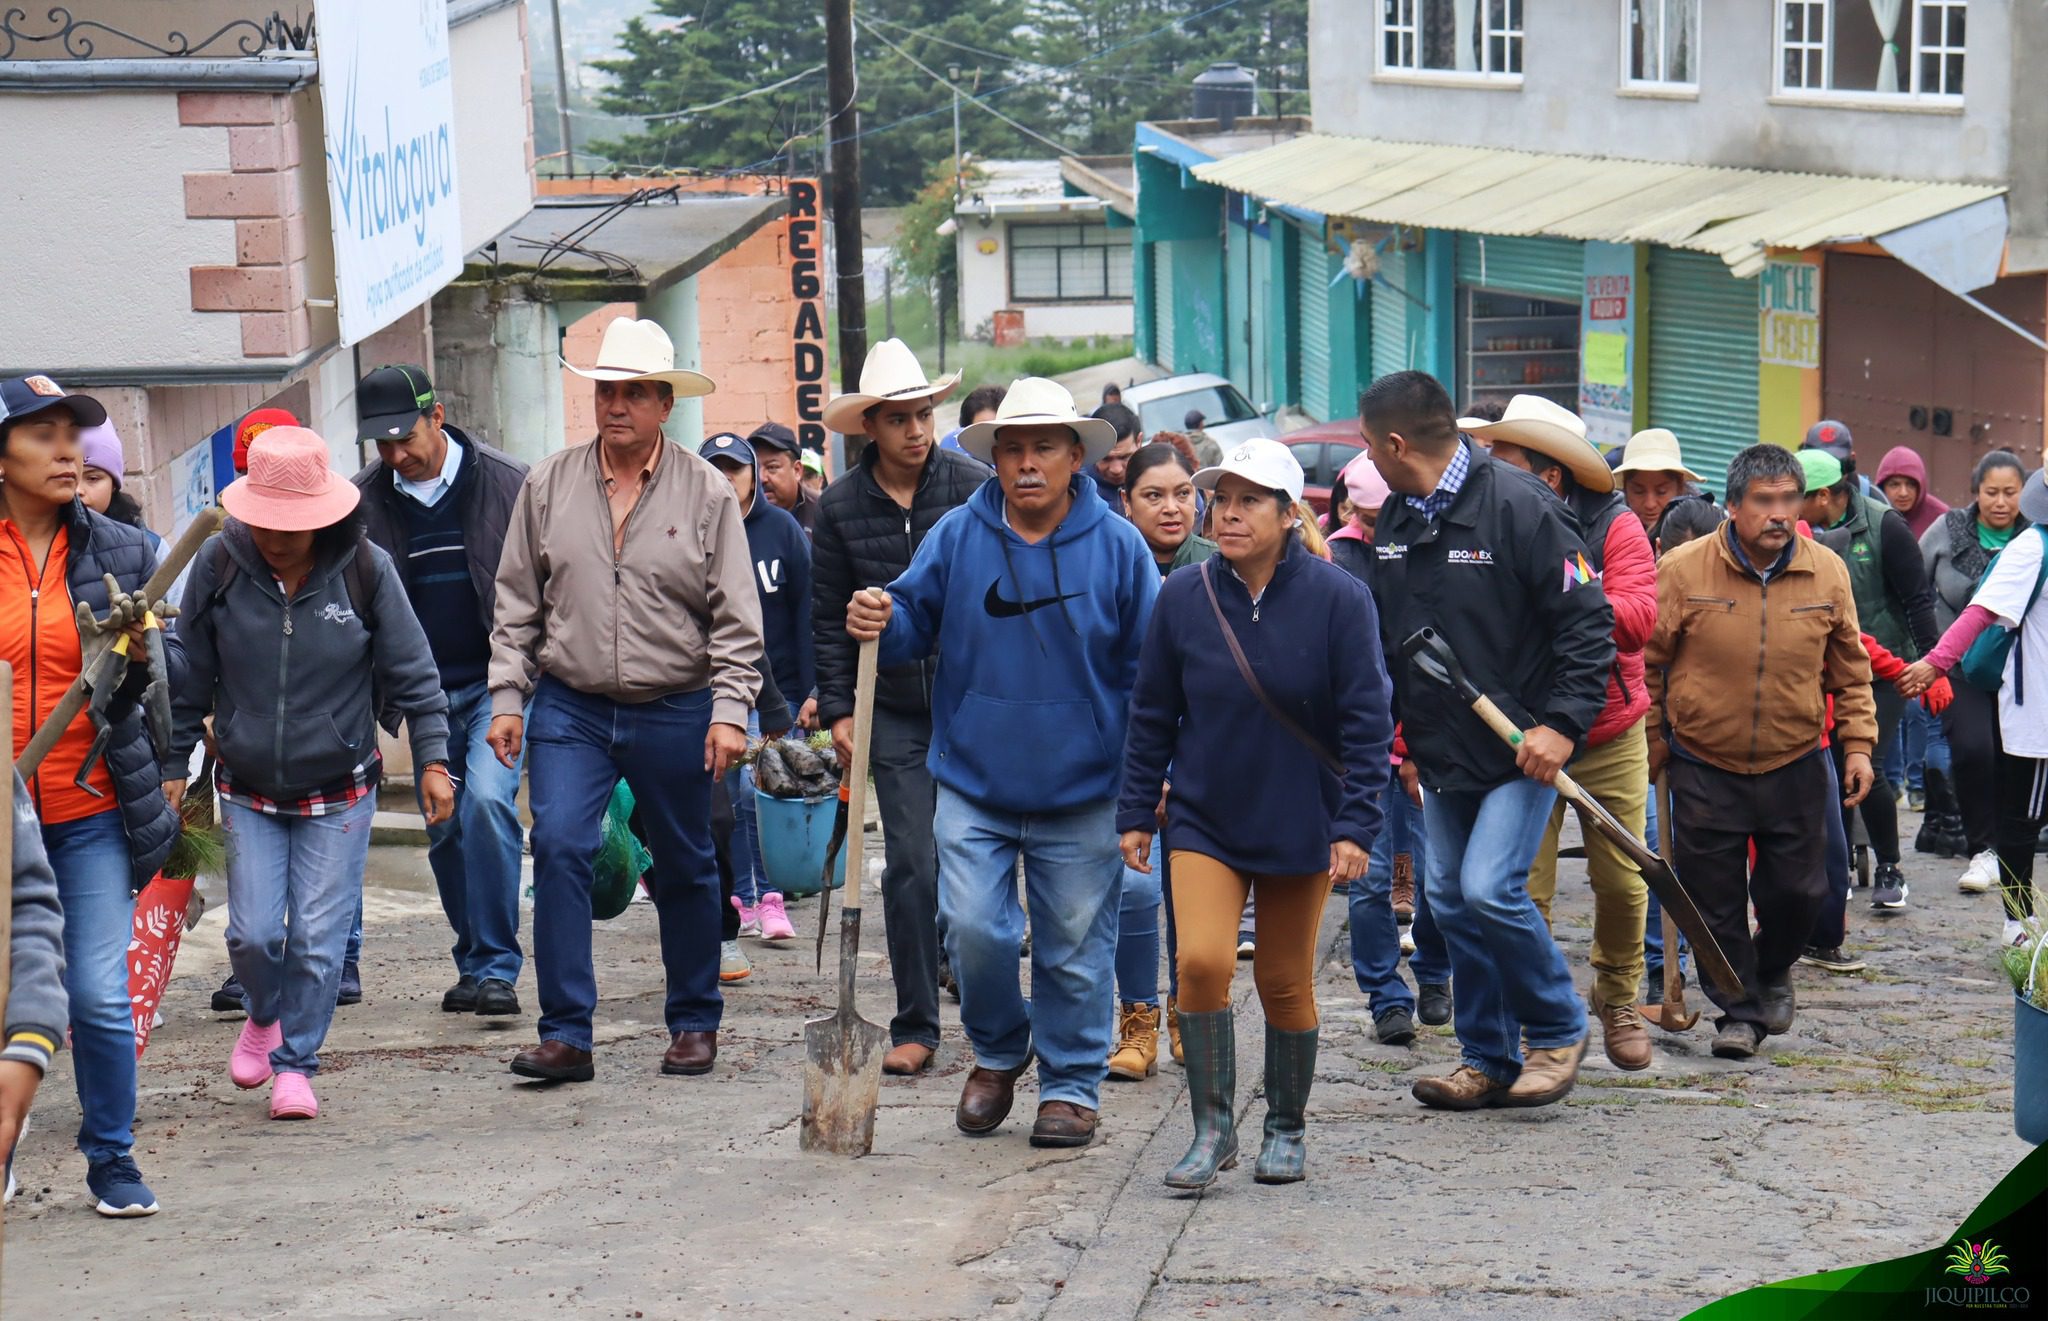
389 826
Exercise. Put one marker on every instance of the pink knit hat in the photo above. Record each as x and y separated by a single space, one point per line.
1368 489
290 487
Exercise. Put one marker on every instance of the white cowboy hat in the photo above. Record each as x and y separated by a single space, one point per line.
1034 401
642 351
891 374
1550 429
1654 450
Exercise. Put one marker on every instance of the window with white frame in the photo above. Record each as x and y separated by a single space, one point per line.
1069 263
1452 36
1663 42
1904 48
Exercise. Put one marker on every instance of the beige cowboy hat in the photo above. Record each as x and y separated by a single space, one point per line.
1034 401
891 374
642 351
1654 450
1550 429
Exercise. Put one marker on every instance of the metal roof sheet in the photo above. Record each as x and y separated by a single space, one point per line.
1735 214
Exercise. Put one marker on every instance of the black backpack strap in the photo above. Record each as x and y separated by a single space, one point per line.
226 571
355 578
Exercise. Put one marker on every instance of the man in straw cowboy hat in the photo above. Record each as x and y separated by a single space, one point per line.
1473 548
1542 438
870 522
1036 599
627 616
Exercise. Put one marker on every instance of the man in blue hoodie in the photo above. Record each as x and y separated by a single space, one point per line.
1036 599
782 574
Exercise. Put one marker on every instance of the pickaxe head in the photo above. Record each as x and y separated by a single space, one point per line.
1434 660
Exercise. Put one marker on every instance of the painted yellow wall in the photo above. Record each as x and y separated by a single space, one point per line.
1788 398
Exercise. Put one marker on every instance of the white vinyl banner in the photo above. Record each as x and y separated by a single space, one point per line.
388 96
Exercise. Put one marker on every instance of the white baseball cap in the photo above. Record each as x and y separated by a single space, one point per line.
1265 463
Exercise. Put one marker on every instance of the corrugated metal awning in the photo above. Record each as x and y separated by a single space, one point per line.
1734 214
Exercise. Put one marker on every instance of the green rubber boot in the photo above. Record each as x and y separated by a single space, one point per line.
1210 1042
1290 1071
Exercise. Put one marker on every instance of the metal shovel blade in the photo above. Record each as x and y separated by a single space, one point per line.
842 1065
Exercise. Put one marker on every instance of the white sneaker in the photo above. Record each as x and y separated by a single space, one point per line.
1980 875
2015 933
1407 942
732 962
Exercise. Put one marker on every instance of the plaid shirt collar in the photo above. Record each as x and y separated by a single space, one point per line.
1448 485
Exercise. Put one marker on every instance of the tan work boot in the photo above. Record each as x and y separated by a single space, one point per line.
1547 1075
1628 1041
1404 888
1180 1056
1466 1089
1136 1057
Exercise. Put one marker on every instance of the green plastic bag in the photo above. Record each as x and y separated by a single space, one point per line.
621 858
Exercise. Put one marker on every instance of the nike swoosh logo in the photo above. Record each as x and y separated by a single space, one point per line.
998 608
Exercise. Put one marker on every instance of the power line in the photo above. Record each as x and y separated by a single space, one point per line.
943 81
737 96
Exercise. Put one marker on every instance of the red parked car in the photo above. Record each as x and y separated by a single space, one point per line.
1323 450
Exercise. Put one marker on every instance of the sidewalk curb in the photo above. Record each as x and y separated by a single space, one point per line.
1134 1240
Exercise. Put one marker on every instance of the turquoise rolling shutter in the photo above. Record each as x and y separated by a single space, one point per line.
1312 296
1390 314
1703 358
1165 305
1546 268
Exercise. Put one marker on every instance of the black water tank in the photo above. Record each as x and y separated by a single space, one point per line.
1223 92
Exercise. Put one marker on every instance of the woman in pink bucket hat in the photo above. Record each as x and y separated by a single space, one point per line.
299 639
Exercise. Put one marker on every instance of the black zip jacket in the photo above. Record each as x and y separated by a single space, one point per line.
863 538
1489 575
487 484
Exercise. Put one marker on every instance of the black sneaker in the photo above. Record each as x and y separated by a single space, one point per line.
1433 1003
351 992
1888 887
1396 1027
228 999
1778 1004
1832 959
1737 1040
947 981
461 997
495 998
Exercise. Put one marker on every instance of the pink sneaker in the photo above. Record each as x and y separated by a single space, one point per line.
775 925
750 917
291 1097
249 1066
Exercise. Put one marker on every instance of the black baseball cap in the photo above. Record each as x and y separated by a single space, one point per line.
775 436
1833 437
390 399
21 396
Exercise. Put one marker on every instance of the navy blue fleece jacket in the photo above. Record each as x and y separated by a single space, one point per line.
1245 790
782 574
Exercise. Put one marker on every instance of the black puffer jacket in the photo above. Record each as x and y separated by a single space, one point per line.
863 538
487 484
100 546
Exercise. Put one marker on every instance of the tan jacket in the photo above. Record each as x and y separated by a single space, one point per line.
1739 669
677 610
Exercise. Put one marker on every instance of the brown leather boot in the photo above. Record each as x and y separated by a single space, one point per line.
1180 1055
1466 1089
1136 1057
1628 1041
1548 1075
1404 888
985 1099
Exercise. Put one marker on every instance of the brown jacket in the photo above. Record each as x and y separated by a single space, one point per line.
675 611
1739 668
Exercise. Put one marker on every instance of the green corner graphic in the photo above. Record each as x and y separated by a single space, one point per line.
1994 1265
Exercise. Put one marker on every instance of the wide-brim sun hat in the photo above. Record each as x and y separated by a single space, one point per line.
2034 497
1550 429
1654 450
290 486
1034 401
1261 462
642 351
891 375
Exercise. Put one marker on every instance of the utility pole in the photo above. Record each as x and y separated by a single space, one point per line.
562 92
842 131
953 77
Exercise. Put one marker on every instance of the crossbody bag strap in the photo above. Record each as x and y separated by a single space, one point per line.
2019 651
1251 681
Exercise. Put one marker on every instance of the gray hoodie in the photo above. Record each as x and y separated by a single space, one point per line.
36 1008
295 687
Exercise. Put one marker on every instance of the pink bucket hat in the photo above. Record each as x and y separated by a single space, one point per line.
290 487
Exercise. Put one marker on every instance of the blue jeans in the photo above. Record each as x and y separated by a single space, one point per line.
475 853
1137 934
1375 935
1831 925
293 886
1653 918
90 857
1511 977
580 745
1920 743
1074 881
749 882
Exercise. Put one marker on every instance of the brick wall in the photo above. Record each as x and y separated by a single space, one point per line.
260 194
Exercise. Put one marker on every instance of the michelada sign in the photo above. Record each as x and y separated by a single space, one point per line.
388 97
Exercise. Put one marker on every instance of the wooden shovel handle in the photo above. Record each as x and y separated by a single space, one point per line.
857 776
1497 721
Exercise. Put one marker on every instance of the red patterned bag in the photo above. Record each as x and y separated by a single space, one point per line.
153 949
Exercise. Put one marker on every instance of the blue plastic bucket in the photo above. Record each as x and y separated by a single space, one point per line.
2029 1071
794 833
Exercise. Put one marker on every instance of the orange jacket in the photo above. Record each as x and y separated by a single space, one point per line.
39 637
